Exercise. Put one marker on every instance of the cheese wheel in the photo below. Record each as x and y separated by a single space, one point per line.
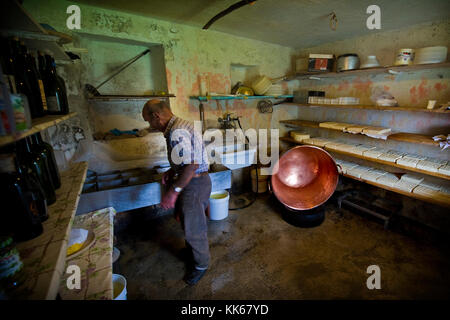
299 136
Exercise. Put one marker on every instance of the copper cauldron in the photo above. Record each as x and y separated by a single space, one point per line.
304 178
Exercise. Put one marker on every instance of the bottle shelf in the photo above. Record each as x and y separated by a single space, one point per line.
367 107
44 256
38 124
16 21
398 136
357 72
393 164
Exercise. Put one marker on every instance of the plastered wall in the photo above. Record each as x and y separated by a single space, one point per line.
188 54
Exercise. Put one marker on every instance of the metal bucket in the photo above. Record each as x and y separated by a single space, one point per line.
306 177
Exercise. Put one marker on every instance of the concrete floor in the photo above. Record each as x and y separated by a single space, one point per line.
257 255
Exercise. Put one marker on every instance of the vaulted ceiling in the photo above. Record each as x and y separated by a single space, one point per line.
292 23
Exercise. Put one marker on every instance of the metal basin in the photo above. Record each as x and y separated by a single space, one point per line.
305 178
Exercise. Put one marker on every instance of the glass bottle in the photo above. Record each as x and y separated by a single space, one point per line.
46 150
37 78
12 273
24 83
55 89
38 166
20 203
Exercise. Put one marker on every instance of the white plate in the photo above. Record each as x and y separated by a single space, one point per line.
366 66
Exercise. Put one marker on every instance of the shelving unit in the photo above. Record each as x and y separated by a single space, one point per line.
441 202
233 97
44 257
16 21
367 107
39 124
398 136
444 203
386 69
393 164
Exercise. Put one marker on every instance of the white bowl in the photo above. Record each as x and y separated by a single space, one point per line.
436 54
371 62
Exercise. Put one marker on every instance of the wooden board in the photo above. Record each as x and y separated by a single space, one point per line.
38 125
378 108
377 70
405 193
399 136
44 256
96 262
126 98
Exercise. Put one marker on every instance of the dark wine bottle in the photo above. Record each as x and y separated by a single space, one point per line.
38 166
36 76
20 212
24 82
8 65
55 89
46 150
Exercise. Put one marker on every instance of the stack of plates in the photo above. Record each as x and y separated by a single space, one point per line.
431 55
274 90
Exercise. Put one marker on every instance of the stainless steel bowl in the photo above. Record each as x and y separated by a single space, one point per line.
349 61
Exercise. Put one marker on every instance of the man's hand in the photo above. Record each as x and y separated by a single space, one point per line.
167 177
169 199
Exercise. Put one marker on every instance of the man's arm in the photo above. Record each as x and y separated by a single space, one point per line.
186 175
170 197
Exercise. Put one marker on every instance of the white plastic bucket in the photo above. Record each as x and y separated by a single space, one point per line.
218 205
119 287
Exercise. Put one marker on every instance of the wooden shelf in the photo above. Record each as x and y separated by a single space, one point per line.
350 106
127 98
387 69
436 174
233 97
399 136
44 256
39 124
96 262
16 21
405 193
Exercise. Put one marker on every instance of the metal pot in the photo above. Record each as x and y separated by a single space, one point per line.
304 178
349 61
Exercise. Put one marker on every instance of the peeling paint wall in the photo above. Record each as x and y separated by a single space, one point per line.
189 53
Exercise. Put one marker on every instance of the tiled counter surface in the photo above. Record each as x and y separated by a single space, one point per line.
96 262
43 257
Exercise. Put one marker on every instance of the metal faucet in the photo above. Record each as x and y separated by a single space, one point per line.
227 122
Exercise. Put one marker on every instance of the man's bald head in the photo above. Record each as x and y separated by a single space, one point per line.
156 105
157 113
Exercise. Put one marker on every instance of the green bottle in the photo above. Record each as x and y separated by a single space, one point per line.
38 166
46 151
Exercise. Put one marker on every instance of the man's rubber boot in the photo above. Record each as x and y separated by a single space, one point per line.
194 276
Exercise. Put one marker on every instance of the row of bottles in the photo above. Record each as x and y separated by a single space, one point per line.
31 76
29 177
